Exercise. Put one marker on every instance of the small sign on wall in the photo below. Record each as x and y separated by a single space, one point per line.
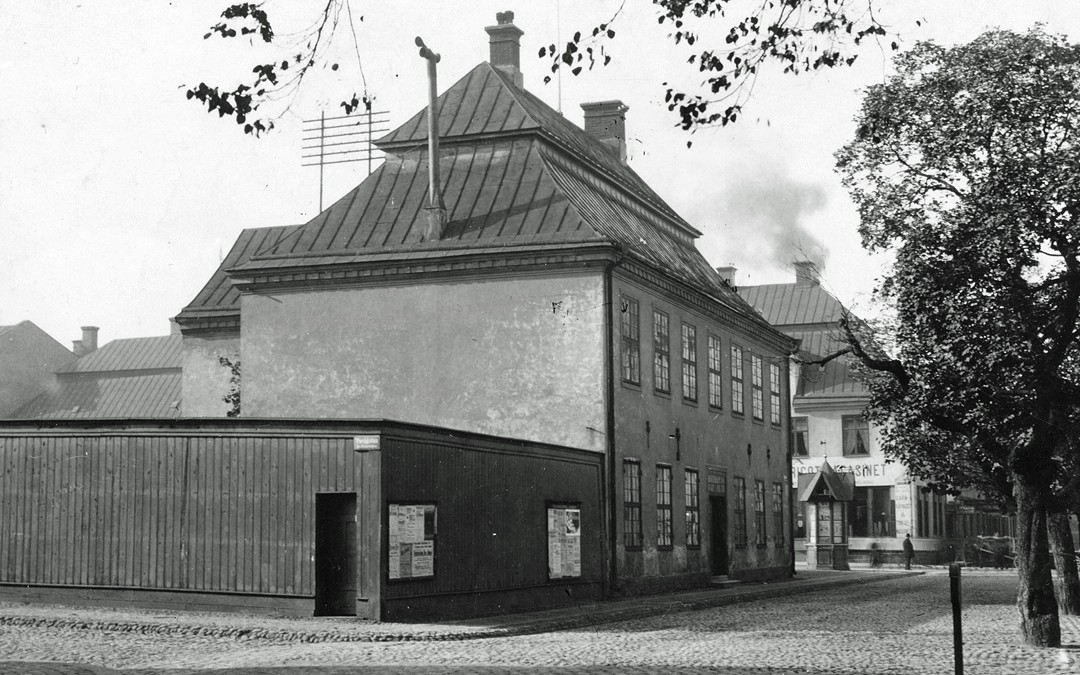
412 529
564 541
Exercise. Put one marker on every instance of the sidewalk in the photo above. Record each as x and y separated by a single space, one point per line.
344 629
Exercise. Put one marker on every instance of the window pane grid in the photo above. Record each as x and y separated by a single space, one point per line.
663 506
737 405
800 433
755 385
774 393
631 341
778 513
739 526
715 387
759 512
689 362
856 435
631 504
661 352
693 511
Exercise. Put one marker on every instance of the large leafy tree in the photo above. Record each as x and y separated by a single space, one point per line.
729 42
966 165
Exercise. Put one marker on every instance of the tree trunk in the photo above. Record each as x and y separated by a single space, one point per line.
1035 598
1068 589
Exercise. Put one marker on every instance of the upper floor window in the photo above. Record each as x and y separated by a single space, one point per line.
631 341
716 390
689 362
800 437
774 393
856 435
737 402
663 506
661 352
756 387
631 503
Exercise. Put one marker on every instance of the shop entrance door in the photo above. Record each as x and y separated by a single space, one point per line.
335 554
718 535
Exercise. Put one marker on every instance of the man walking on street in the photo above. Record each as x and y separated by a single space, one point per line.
909 551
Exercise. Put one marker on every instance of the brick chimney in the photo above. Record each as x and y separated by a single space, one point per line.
88 343
806 273
606 122
727 273
505 42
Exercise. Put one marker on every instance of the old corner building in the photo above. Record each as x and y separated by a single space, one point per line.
578 400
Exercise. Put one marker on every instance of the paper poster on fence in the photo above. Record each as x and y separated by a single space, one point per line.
411 548
564 542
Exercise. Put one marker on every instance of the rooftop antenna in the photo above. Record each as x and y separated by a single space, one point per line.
436 210
342 139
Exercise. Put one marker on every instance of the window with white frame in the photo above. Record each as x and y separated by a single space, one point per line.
716 389
693 509
631 341
737 401
756 382
661 352
759 512
631 504
774 393
689 362
856 435
663 506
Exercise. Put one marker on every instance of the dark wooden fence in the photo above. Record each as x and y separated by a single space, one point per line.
166 509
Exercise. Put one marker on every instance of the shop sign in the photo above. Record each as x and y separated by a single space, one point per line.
866 473
412 540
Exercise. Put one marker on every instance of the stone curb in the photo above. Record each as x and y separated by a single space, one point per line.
583 618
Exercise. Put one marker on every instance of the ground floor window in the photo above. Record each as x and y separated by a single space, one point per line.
739 522
778 513
872 512
631 504
800 514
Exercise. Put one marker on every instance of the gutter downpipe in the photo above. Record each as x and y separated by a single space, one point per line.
609 368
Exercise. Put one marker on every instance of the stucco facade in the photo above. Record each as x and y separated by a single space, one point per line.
704 435
205 382
516 357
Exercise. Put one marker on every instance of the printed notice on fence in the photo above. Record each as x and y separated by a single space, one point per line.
412 540
564 542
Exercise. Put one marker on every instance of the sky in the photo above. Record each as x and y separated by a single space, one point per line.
119 197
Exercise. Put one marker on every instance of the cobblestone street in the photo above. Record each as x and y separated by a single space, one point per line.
900 625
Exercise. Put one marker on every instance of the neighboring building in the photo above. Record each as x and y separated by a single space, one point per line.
28 358
557 300
828 422
212 328
126 378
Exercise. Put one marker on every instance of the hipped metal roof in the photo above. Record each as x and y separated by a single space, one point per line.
515 175
809 313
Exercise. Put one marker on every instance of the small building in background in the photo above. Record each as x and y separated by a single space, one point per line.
29 357
828 423
125 378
